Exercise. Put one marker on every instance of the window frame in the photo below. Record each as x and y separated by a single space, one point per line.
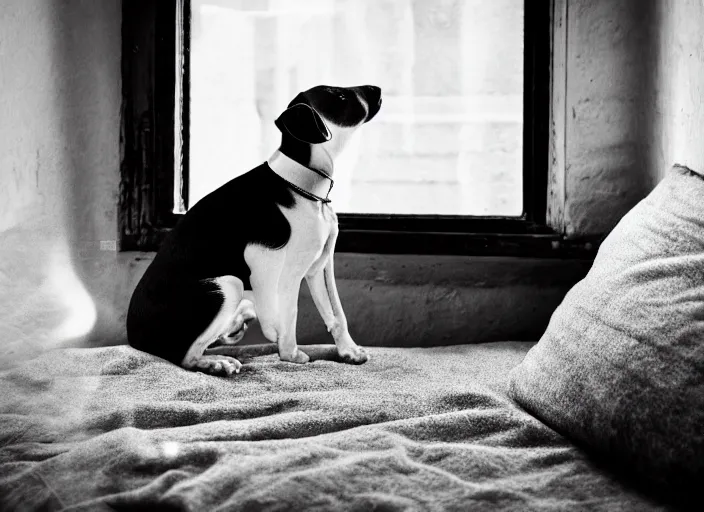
147 124
150 140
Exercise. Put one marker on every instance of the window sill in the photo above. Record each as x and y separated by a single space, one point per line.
458 235
466 244
421 235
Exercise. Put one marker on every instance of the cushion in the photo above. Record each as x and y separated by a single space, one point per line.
620 368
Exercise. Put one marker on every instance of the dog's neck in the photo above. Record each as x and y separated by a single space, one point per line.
310 182
313 156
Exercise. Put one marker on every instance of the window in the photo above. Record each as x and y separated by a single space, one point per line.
456 162
448 139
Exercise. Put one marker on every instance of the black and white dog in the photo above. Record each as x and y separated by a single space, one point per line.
242 251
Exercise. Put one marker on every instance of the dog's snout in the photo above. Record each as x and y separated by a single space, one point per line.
372 95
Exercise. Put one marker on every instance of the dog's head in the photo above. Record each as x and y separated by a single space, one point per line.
326 116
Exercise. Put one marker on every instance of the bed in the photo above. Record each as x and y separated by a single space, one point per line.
413 429
604 412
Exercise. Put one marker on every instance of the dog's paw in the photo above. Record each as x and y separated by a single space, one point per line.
217 365
245 315
353 355
233 338
298 356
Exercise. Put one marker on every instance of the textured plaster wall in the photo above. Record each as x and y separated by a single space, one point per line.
679 105
431 300
59 160
629 105
605 66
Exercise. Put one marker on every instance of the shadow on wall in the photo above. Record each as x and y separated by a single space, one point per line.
87 48
654 70
56 286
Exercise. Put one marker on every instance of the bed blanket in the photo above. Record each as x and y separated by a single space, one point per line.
412 429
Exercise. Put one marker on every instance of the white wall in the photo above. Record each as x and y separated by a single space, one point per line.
627 106
60 94
605 65
679 109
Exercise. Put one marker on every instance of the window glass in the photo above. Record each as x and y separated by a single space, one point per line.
448 139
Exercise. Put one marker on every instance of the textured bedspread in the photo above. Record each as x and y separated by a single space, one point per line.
413 429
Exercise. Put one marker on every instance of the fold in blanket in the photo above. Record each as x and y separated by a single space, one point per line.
413 429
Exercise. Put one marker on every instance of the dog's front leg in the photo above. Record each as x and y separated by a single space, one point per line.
321 282
288 301
276 299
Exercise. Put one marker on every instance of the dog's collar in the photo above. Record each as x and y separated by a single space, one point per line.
310 183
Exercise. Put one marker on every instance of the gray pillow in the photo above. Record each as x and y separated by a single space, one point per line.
620 368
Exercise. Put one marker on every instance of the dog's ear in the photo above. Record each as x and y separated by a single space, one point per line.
302 122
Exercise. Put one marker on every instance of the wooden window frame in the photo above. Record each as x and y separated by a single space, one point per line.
150 145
